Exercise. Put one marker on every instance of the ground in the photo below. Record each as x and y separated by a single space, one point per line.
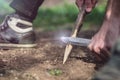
45 61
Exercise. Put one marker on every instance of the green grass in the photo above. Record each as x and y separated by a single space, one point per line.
55 17
55 72
95 17
52 18
4 7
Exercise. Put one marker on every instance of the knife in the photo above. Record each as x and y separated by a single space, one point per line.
76 41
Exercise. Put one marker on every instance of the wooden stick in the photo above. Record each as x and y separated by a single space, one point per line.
76 29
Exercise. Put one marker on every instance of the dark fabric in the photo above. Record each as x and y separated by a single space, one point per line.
28 8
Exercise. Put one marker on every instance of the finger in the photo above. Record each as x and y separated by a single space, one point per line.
96 49
103 52
94 46
90 46
88 4
79 3
102 55
97 57
106 51
94 2
108 47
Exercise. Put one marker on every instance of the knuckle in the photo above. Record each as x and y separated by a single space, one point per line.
102 45
90 46
96 49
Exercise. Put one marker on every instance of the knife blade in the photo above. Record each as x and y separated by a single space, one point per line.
76 41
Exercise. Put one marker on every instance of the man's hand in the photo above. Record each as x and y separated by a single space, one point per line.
99 46
89 4
103 41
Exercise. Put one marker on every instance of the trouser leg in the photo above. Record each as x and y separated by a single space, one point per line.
27 8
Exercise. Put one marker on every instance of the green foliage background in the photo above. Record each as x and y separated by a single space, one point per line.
53 18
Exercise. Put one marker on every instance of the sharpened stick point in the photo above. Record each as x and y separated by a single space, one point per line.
67 52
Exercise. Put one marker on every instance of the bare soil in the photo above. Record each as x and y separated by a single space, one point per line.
36 63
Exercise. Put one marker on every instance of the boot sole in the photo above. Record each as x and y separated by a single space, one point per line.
8 45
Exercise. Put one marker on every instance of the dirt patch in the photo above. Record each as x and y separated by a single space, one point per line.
35 63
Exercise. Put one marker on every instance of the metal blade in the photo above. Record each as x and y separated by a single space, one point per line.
76 41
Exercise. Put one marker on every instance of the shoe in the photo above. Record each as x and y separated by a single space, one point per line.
16 32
